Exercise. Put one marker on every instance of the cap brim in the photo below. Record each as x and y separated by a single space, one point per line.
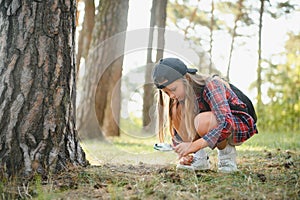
191 71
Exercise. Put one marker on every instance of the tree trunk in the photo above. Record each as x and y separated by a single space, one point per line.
103 70
85 35
158 18
148 86
259 81
211 29
37 87
161 16
237 19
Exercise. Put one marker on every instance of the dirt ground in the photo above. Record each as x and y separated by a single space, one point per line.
262 175
117 173
269 176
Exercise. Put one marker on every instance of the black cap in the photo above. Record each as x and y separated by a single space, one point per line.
168 70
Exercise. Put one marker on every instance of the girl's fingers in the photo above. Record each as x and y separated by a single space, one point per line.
187 160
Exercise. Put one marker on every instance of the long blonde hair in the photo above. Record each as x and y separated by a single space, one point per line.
190 81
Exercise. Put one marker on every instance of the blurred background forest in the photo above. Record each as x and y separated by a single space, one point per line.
254 44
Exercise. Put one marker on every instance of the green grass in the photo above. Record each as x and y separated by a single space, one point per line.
129 168
272 141
125 150
268 164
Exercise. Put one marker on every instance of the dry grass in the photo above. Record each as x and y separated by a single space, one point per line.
129 169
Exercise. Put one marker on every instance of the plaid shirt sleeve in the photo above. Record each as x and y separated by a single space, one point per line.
215 95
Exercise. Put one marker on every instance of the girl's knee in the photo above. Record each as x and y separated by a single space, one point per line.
204 122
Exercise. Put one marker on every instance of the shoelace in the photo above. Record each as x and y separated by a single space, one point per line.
199 158
225 163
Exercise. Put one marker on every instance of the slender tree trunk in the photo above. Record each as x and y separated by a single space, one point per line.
148 86
37 87
259 81
237 19
212 23
161 16
103 70
85 35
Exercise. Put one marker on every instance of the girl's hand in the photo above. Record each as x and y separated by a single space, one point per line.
186 160
183 149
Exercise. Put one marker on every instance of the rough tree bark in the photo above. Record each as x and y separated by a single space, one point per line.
37 87
103 71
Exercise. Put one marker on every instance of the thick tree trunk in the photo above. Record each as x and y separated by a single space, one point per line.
103 70
37 87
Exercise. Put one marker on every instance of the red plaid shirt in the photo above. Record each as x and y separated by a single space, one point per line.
240 124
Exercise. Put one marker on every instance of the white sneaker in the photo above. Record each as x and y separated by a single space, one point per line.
227 159
163 147
200 162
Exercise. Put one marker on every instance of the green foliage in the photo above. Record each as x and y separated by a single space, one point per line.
193 18
282 112
283 8
132 123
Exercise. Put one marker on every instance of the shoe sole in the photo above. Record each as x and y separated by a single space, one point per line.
228 171
191 168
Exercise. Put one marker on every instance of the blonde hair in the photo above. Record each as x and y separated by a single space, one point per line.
190 82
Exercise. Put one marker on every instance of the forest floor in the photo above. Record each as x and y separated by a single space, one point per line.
122 169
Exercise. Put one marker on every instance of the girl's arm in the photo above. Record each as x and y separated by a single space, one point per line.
215 95
185 148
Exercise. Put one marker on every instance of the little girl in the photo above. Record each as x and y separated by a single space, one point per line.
200 115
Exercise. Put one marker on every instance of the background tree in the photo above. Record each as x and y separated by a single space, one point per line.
259 67
238 15
148 88
85 35
211 28
202 23
282 9
158 19
161 16
282 110
104 64
37 87
197 26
